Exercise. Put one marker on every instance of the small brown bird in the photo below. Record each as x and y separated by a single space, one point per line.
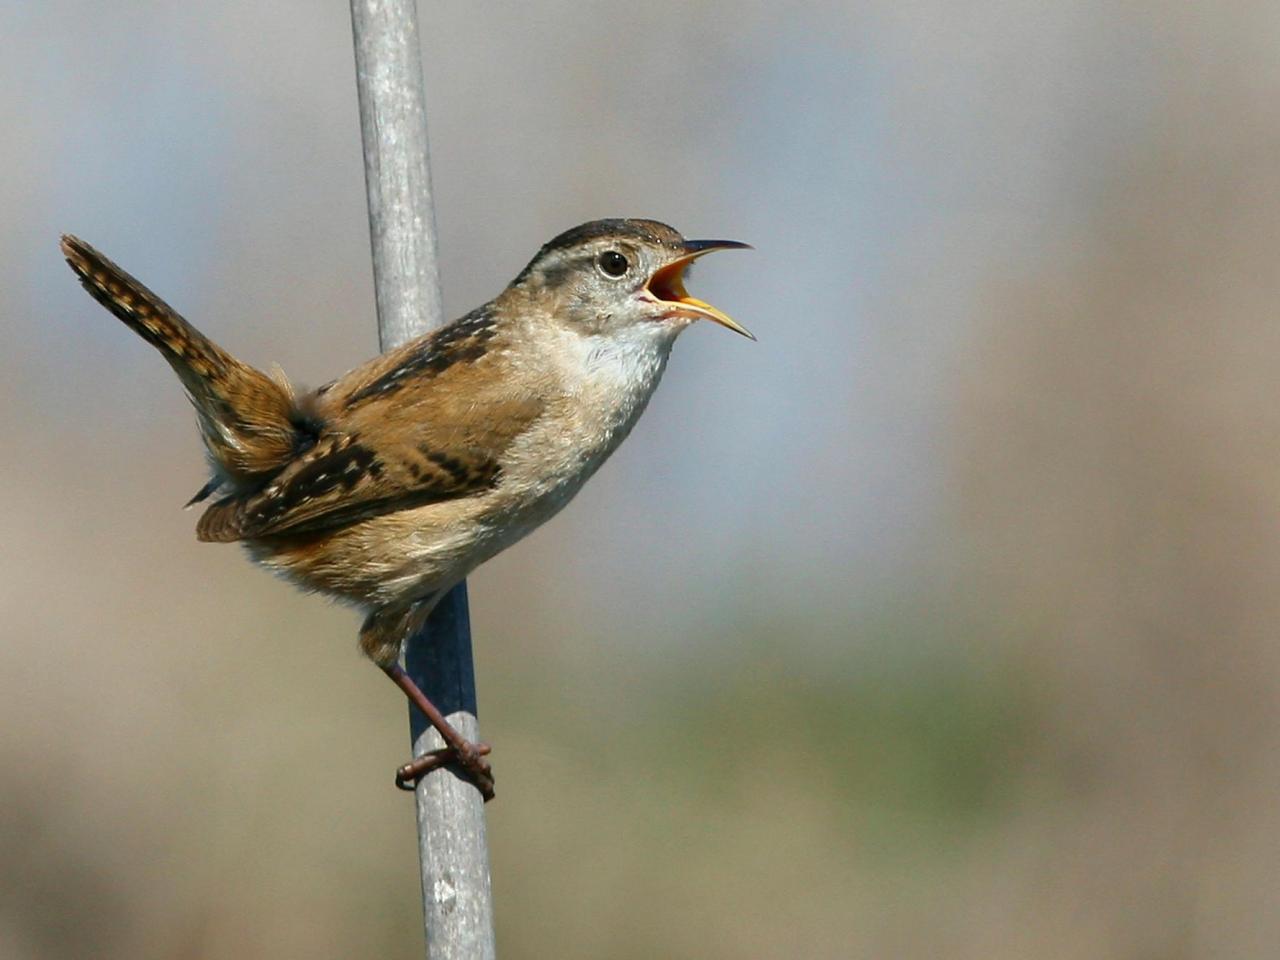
389 485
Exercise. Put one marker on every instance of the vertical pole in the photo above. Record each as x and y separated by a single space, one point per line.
457 902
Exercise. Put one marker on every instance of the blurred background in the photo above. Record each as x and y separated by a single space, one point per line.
942 621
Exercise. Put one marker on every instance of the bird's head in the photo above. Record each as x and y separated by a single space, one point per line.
616 276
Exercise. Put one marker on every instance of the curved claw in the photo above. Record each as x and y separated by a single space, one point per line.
469 758
408 775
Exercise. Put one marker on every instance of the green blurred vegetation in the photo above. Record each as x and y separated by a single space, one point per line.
924 749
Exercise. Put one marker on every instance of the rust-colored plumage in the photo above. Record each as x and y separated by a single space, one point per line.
289 464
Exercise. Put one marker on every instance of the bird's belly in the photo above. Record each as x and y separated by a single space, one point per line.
410 554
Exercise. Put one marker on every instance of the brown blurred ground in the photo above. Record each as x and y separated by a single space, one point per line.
939 623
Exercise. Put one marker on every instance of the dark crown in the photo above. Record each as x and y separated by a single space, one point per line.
642 231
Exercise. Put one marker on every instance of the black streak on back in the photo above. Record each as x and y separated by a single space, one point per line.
460 342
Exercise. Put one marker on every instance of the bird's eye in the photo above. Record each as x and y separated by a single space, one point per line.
612 263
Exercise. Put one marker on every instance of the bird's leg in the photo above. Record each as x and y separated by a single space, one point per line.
381 638
470 756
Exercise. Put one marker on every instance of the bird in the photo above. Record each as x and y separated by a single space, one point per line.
387 486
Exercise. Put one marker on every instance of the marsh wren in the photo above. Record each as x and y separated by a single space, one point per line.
389 485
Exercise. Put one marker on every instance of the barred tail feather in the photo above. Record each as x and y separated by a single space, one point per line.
248 420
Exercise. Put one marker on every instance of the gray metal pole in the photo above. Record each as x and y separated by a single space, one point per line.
457 901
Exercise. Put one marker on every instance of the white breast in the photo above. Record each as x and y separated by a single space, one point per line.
606 381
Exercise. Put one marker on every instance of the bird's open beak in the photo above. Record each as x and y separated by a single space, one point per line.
667 285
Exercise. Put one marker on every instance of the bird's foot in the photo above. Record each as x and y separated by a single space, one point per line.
469 756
